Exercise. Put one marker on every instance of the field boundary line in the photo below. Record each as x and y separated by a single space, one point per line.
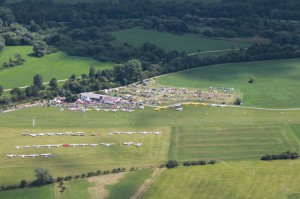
147 184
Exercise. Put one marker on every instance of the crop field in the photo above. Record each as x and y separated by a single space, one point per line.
275 82
277 179
58 65
188 43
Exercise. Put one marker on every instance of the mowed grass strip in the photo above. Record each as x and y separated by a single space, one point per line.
246 179
242 142
58 65
275 82
167 41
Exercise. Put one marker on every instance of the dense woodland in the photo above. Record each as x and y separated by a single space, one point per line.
84 29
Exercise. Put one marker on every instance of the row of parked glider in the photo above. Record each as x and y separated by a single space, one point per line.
76 145
52 134
46 155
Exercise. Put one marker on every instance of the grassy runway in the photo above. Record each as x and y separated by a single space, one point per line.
225 134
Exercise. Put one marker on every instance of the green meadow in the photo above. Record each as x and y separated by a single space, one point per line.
256 179
58 65
275 82
45 192
167 41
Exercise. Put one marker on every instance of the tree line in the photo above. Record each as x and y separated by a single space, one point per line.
288 155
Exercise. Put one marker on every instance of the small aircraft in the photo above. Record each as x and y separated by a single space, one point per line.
84 145
156 133
33 134
24 133
48 145
145 133
80 133
33 155
11 155
22 156
46 155
118 133
26 147
41 134
56 145
107 144
179 109
138 144
59 134
17 147
68 133
74 145
129 133
110 133
93 145
50 134
128 143
37 146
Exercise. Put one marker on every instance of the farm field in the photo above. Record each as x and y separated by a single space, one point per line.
214 123
246 179
58 65
275 82
188 43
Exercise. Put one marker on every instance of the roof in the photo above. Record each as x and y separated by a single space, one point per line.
110 100
91 95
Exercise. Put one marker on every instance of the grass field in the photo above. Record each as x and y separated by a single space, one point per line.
121 185
45 192
278 179
214 124
188 43
275 82
128 185
58 65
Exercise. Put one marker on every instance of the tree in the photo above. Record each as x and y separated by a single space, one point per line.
238 101
53 83
92 72
40 48
38 81
171 164
43 177
23 183
1 90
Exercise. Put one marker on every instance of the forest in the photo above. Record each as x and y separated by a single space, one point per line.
85 29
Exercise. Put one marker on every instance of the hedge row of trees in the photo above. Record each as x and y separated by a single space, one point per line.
44 177
174 163
288 155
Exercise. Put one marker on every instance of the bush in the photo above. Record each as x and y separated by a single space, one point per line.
171 164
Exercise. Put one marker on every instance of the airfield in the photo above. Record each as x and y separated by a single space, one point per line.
235 136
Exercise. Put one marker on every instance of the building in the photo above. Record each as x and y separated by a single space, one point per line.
89 97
